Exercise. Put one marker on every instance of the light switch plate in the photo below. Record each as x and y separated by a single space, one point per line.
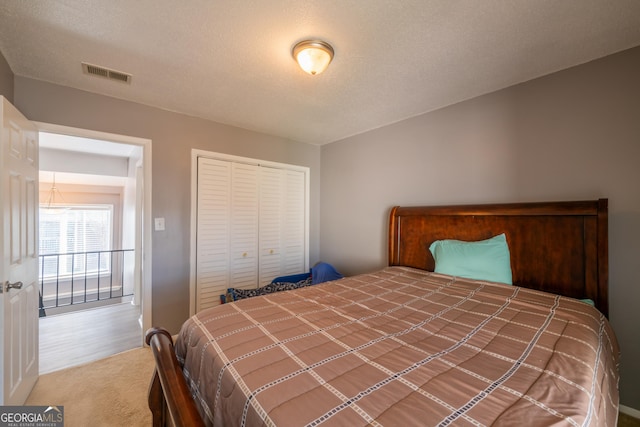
159 224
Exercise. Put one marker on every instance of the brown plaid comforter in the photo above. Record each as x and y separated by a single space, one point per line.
402 347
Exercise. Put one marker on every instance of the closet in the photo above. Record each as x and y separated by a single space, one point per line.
251 224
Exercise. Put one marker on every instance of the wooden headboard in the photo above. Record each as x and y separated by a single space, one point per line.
558 247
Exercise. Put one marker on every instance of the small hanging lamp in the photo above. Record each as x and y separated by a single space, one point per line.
55 199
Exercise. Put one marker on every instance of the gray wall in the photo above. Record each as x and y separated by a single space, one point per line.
6 79
571 135
173 136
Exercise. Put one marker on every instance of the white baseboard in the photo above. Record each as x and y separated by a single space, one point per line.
630 411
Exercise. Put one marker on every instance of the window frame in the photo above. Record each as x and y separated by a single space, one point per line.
63 269
87 196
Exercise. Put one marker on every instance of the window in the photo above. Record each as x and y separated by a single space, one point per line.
84 231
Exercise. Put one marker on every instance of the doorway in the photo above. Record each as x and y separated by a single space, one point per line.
95 198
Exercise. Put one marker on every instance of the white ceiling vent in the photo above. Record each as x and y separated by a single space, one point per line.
96 70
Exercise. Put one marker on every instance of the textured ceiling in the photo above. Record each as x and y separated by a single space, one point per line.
230 60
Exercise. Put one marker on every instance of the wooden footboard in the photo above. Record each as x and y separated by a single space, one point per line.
169 399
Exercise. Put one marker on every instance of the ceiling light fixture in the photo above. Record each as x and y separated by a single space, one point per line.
313 56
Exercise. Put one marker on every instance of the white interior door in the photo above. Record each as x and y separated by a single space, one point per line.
19 253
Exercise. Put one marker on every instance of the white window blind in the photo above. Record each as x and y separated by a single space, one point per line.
82 230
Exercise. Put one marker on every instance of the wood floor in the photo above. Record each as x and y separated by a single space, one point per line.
84 336
625 420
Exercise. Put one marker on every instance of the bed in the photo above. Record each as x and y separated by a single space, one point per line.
406 345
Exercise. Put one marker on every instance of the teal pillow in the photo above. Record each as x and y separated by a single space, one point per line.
483 260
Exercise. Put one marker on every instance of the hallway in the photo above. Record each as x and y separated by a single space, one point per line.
83 336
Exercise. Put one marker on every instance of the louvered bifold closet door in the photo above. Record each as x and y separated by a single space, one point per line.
244 225
251 227
282 223
213 236
272 186
294 252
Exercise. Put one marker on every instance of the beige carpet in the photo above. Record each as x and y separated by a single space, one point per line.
108 392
